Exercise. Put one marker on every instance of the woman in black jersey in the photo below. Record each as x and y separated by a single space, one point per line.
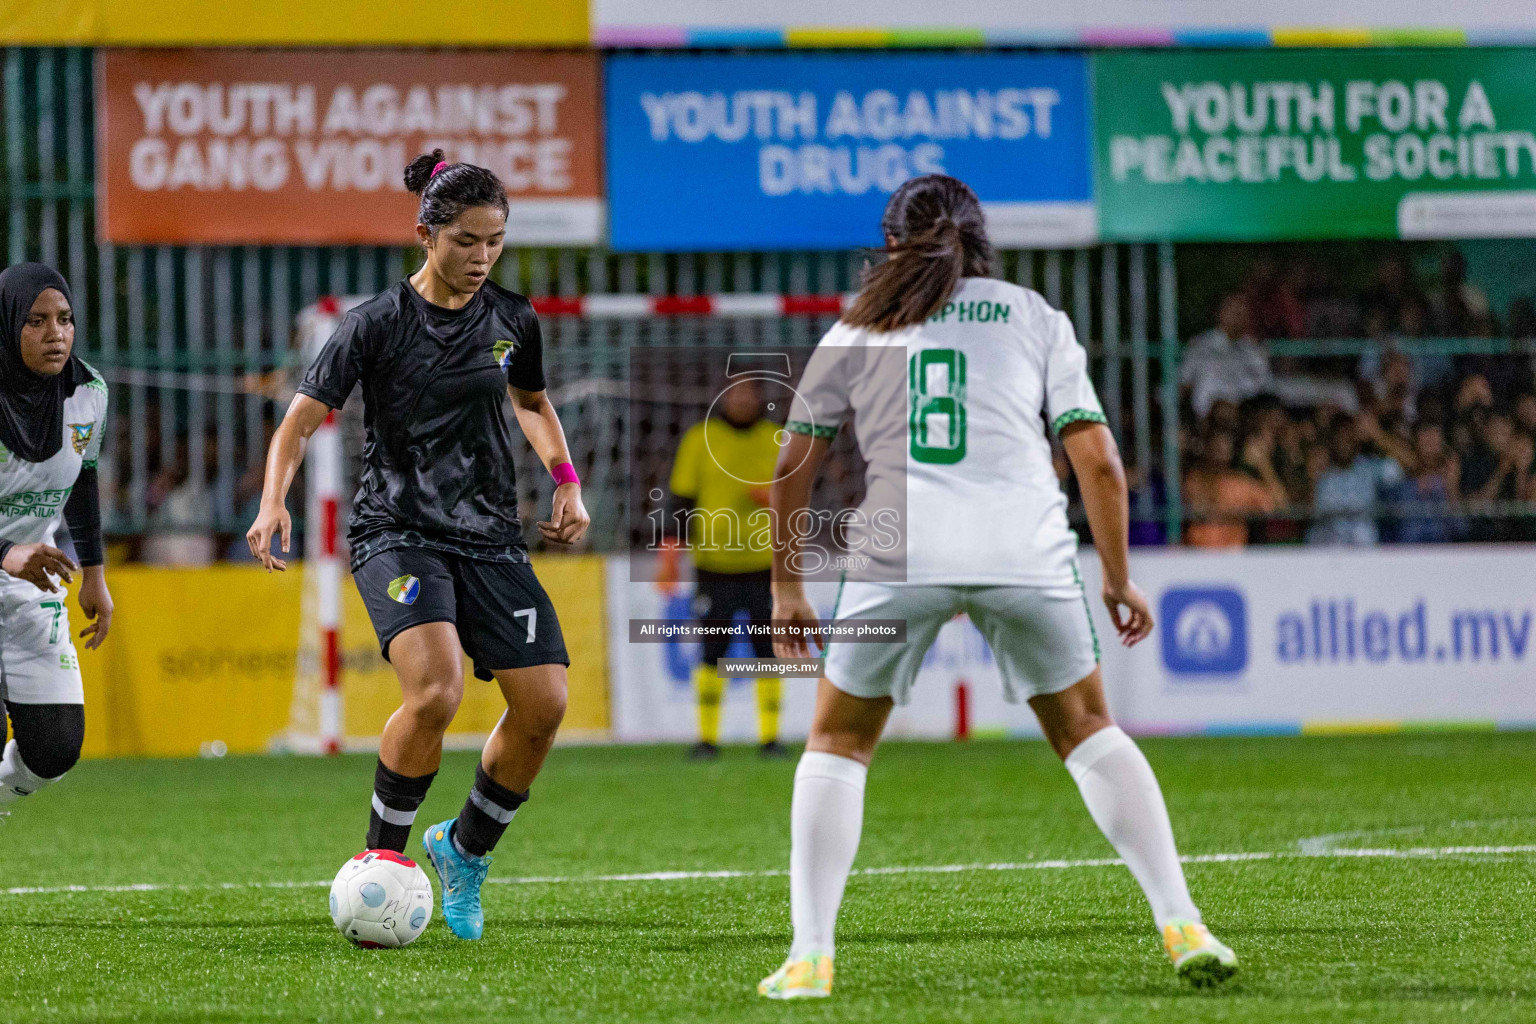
437 548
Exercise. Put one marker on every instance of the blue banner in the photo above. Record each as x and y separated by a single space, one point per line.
801 151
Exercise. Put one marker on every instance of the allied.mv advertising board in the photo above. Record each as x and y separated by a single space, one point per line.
1252 642
1318 639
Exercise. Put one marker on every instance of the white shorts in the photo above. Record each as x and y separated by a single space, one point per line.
38 662
1042 637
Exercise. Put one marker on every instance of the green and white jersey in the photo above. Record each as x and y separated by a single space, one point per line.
32 494
982 379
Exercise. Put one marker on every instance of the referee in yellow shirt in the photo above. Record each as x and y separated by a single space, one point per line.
721 476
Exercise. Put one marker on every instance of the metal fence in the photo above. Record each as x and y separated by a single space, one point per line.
194 339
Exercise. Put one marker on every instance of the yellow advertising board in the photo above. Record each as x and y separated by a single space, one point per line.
206 659
370 693
292 23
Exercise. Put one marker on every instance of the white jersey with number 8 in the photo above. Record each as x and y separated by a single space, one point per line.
985 378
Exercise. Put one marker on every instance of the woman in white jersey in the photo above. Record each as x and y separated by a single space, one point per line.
979 361
52 406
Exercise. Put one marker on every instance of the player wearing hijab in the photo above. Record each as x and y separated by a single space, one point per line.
977 362
52 410
437 546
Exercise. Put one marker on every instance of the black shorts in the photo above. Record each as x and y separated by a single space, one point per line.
720 595
504 618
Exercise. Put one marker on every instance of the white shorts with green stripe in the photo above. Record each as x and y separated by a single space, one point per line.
1042 637
38 660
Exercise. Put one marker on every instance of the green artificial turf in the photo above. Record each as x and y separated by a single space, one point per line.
1443 934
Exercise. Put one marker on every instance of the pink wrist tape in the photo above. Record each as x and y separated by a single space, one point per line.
565 473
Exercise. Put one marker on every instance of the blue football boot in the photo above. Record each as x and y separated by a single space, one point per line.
461 878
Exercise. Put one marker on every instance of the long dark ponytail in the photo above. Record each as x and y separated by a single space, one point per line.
447 190
935 235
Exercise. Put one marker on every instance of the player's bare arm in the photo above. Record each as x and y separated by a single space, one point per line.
284 456
799 462
96 603
568 520
1095 459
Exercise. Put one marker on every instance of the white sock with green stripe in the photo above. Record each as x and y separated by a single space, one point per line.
826 818
1126 803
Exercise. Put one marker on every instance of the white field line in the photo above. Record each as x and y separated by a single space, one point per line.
1415 853
1326 843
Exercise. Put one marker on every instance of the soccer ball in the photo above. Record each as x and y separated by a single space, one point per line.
381 900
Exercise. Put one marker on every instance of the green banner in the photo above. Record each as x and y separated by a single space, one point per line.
1316 144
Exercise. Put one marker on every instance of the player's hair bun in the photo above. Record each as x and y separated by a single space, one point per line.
419 171
447 191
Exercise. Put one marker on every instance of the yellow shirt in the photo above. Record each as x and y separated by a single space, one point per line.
718 468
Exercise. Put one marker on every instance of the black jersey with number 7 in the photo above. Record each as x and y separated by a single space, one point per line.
438 453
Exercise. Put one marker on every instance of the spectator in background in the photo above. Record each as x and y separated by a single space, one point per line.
1349 485
1391 389
1522 336
181 513
1388 435
1268 453
1460 309
1434 484
1278 311
1371 370
1508 452
1522 457
1525 412
1522 318
1394 288
1224 415
1332 310
1498 469
1222 497
1473 393
1268 430
1430 370
1227 362
1471 406
1491 468
1507 374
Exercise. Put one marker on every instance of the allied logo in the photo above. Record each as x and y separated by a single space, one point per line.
404 589
1205 631
503 351
80 435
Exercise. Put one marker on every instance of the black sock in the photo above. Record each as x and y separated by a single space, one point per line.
486 815
395 799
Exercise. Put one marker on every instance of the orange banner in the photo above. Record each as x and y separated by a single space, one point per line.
308 147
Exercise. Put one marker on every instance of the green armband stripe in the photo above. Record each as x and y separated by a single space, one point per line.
799 427
1072 416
